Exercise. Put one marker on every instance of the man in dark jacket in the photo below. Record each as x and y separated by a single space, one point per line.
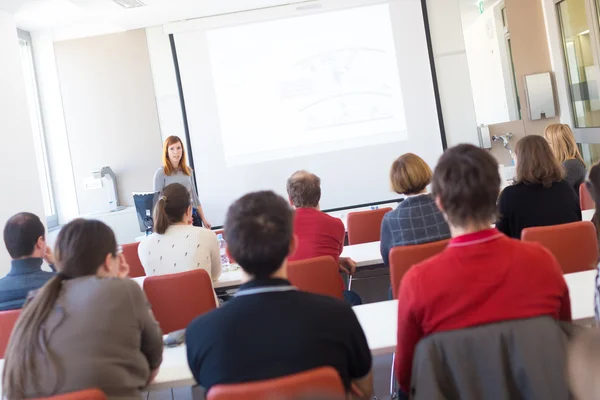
25 240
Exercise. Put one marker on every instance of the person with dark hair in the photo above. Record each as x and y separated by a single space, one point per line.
540 195
592 184
270 329
318 234
483 276
86 328
176 245
25 240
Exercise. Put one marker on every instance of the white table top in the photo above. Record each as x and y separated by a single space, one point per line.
582 287
586 215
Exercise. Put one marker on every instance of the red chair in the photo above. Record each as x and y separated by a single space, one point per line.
130 251
320 383
7 323
365 226
574 245
402 258
318 275
88 394
585 199
177 299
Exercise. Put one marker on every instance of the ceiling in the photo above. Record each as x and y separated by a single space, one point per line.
66 19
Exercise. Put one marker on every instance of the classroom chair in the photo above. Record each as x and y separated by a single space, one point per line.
177 299
130 251
318 383
365 226
7 323
574 245
585 198
404 257
88 394
318 275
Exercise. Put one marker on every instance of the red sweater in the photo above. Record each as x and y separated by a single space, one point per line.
318 234
480 278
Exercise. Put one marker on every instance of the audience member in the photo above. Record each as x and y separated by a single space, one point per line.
270 329
86 328
540 196
176 245
417 219
482 276
318 234
563 145
25 240
583 365
593 186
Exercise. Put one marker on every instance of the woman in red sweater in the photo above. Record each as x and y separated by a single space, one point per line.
482 276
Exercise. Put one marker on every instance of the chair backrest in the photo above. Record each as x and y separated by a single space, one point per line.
177 299
585 198
7 323
574 245
130 251
323 382
88 394
365 226
402 258
317 275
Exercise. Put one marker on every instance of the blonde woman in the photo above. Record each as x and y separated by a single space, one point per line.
562 143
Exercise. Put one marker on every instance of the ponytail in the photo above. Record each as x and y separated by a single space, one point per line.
161 219
28 340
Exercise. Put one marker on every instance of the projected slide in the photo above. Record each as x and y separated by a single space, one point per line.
307 85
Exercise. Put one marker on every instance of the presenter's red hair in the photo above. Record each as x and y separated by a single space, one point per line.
167 166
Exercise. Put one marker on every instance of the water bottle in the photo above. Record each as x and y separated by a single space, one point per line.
222 247
148 222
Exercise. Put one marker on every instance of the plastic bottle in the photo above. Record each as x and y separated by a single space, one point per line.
222 247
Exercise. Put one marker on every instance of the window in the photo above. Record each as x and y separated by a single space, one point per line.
37 125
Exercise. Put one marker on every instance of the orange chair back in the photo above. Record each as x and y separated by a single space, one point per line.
585 199
130 251
88 394
7 323
402 258
574 245
317 383
365 226
318 275
177 299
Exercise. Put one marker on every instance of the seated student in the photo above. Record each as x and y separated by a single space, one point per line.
25 240
270 329
86 328
176 245
318 234
540 196
563 145
593 186
482 276
417 219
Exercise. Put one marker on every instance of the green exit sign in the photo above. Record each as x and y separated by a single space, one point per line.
480 6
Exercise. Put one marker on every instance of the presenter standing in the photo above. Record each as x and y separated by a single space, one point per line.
175 170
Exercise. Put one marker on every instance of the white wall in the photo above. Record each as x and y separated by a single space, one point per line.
110 113
20 182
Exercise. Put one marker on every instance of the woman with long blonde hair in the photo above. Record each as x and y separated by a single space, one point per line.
175 170
563 145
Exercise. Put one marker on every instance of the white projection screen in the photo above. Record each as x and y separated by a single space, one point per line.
339 90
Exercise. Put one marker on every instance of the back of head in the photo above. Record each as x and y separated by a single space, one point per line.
258 230
81 248
562 142
410 174
536 165
21 233
304 189
171 207
467 183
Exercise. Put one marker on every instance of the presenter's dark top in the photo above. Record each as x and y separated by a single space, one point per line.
270 330
522 206
25 275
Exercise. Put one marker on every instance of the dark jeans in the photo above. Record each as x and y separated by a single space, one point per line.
352 298
197 221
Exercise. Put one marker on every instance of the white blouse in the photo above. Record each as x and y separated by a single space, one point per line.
181 248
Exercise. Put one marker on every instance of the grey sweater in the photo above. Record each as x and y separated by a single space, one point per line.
575 176
161 180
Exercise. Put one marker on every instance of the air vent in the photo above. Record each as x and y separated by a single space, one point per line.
130 3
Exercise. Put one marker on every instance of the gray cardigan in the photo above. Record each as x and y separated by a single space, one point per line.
161 180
